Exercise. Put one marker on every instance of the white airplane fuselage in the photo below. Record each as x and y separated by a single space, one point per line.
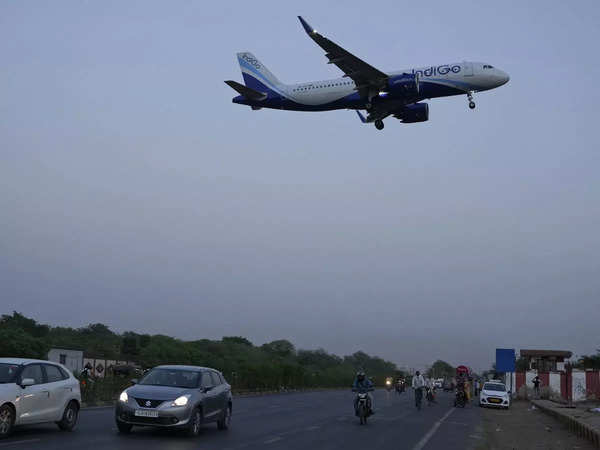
340 93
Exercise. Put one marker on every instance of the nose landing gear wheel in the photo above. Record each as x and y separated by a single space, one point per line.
472 104
379 124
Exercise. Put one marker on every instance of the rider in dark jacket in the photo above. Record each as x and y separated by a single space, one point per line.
363 384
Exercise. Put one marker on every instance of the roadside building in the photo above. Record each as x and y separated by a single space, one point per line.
72 359
545 360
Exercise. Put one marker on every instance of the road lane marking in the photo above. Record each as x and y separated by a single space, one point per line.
432 431
313 428
27 441
272 440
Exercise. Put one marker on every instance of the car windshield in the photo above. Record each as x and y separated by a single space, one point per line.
8 372
171 377
494 387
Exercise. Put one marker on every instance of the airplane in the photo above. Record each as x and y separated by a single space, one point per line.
399 94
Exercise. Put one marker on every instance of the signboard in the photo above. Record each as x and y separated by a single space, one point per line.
505 360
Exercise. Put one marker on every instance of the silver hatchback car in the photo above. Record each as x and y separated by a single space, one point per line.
34 391
181 397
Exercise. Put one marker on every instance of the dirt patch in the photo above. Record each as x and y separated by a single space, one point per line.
522 428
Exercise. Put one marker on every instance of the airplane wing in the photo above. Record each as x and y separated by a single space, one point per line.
366 77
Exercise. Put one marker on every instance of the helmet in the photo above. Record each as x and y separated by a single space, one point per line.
360 376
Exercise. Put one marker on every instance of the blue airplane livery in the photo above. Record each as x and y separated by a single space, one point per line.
398 94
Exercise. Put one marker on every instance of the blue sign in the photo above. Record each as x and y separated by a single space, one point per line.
505 360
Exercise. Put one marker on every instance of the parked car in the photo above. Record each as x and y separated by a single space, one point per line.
494 393
183 397
34 391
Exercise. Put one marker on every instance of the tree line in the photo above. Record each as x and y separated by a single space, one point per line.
245 365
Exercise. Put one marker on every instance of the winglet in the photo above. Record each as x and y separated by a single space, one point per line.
361 117
307 27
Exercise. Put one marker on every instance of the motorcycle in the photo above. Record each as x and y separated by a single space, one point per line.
461 399
362 407
430 395
388 385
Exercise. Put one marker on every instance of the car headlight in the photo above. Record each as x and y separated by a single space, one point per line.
124 397
181 401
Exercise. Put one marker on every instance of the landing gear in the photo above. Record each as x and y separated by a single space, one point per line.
379 124
471 102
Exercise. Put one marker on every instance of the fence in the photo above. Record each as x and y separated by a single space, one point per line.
583 385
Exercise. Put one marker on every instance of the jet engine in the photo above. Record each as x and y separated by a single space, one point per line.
416 112
405 85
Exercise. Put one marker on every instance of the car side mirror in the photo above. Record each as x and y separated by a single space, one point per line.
509 392
207 388
27 382
134 381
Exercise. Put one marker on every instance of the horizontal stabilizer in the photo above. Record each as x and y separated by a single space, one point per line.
247 92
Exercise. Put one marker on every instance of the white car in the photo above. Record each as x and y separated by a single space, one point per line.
494 393
34 391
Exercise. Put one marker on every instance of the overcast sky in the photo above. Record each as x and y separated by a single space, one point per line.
134 193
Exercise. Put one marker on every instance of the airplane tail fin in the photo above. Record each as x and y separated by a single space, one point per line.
256 75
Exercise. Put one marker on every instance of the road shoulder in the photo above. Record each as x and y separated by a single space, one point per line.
522 427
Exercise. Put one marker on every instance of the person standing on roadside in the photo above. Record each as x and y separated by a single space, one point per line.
418 383
536 386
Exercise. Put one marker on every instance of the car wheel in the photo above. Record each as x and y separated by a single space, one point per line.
124 428
7 420
69 418
194 423
225 420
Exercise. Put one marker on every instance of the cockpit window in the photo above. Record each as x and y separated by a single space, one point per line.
487 66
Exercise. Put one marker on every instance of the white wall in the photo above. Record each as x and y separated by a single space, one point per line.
579 387
74 358
555 382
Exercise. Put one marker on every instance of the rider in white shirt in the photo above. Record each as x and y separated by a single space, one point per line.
418 383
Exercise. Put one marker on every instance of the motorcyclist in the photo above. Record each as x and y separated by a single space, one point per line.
363 384
460 389
430 391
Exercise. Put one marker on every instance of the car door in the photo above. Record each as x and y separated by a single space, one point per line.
58 389
220 399
34 400
209 403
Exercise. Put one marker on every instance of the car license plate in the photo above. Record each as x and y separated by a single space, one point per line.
494 400
145 413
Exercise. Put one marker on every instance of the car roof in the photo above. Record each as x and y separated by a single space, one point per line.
22 361
182 367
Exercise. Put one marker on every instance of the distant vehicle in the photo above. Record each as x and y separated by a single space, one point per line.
126 371
494 393
389 383
439 383
34 391
183 397
381 94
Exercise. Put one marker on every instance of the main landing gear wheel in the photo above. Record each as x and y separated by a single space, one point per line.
471 102
379 124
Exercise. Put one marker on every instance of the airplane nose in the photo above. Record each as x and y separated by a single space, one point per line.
504 77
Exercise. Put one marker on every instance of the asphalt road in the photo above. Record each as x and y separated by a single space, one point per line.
319 420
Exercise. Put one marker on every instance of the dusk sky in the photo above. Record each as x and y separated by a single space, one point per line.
134 193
